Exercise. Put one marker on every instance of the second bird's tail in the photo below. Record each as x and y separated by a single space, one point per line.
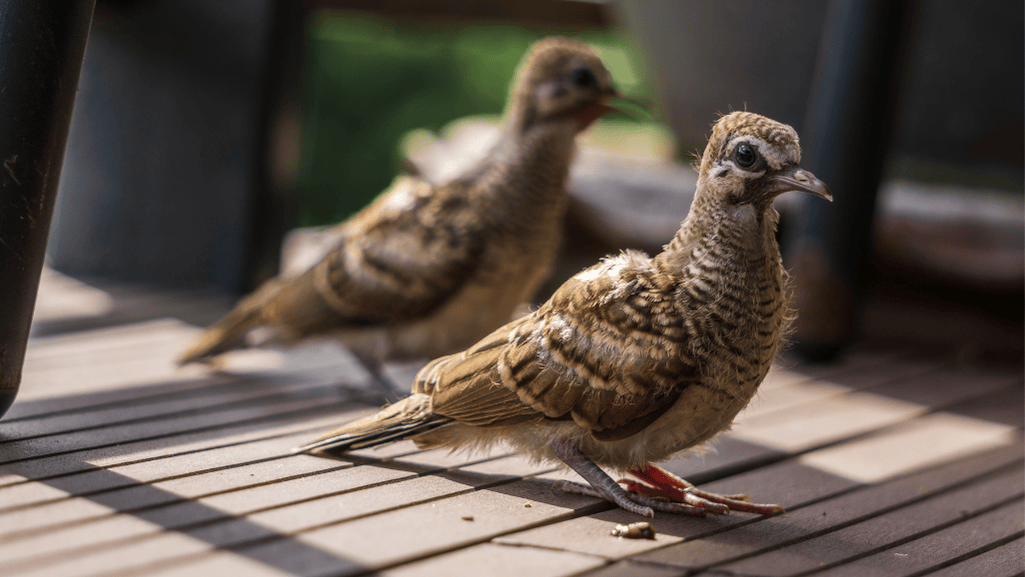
229 333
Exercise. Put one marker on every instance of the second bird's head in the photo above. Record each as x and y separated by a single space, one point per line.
562 81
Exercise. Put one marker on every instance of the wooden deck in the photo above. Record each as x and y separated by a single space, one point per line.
115 462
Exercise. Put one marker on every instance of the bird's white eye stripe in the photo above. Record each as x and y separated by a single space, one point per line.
725 166
776 158
758 144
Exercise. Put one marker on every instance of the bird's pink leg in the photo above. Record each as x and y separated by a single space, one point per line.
658 482
604 487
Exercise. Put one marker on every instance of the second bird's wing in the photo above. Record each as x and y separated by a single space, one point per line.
609 350
399 259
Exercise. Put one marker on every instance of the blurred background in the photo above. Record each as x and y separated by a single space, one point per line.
205 131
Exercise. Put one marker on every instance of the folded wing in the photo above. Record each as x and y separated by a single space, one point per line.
609 350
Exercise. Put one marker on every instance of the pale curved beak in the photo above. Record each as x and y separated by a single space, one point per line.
799 179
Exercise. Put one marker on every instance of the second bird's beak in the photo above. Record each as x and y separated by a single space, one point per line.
588 114
796 178
602 106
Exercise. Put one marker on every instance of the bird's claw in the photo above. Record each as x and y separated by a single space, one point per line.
622 500
661 484
639 503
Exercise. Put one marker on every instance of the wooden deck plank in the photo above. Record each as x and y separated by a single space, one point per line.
170 506
105 345
111 358
591 534
466 517
288 557
836 418
194 518
136 467
741 541
360 500
223 501
175 409
270 529
187 443
217 472
55 518
635 570
347 529
105 561
787 371
883 531
981 434
1003 561
135 365
170 396
815 386
911 445
935 548
490 560
1003 406
50 470
929 385
843 509
236 565
118 439
317 490
62 297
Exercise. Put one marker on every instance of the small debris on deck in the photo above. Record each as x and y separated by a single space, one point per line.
638 530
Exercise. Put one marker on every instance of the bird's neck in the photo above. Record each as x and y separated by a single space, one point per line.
539 155
728 266
732 238
527 169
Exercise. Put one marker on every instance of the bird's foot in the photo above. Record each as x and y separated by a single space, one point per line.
604 487
637 503
658 483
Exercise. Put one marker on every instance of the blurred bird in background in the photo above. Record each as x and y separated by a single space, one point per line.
428 270
636 358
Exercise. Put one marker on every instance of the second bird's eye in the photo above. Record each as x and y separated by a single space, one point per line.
745 156
583 77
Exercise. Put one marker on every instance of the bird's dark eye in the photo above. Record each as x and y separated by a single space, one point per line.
745 156
583 77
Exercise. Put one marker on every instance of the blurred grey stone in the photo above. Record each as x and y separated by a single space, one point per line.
159 169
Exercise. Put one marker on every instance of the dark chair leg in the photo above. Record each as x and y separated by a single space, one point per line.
845 139
42 43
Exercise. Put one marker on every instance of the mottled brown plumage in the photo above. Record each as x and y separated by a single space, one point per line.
428 270
636 358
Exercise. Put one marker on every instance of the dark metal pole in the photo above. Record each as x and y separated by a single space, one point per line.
42 43
846 139
271 212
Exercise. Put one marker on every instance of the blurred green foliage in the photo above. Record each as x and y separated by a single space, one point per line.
369 81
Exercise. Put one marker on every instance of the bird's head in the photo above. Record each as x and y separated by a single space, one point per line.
560 80
750 160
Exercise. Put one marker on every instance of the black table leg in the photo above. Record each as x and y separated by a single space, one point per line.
42 43
845 139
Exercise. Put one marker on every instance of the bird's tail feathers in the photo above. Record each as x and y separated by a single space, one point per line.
406 418
229 333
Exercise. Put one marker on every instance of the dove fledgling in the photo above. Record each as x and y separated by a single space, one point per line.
428 270
636 358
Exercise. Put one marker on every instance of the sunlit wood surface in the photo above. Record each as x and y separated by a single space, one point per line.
115 462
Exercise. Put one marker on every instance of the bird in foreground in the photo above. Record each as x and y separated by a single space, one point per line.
428 270
636 358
